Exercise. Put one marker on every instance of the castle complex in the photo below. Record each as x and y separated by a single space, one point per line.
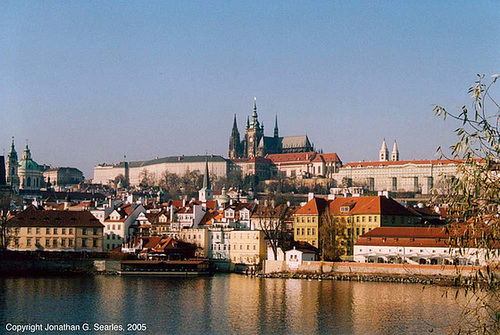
256 144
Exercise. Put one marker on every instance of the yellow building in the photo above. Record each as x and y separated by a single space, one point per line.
247 247
362 214
307 221
44 230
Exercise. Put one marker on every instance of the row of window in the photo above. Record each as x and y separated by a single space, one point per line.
303 231
248 247
112 237
55 231
56 242
401 250
303 219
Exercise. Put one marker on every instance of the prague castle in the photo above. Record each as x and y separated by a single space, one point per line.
256 144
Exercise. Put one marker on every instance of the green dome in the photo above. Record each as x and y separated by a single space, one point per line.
29 164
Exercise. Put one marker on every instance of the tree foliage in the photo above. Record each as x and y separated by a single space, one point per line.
332 237
474 198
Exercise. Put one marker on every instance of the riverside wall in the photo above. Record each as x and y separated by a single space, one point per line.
371 269
49 267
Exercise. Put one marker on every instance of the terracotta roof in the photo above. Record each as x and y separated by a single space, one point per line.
211 216
292 157
31 217
368 205
331 157
315 206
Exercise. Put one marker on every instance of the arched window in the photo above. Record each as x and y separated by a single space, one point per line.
28 182
13 170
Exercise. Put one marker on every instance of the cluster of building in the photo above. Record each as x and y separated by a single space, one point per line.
230 227
232 233
294 157
26 177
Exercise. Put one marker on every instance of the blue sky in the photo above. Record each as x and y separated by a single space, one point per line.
89 82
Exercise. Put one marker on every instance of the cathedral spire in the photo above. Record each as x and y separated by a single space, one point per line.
276 126
248 122
255 118
235 124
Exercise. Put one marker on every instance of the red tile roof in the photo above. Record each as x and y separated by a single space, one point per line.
315 206
292 157
31 217
368 205
331 157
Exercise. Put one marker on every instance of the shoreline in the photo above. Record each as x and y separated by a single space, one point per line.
382 278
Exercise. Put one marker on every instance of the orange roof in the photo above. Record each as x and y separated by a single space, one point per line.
331 157
315 206
368 205
292 157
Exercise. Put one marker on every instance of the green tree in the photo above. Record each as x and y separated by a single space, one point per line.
332 237
474 198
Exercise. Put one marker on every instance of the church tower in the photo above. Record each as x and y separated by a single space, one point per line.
206 193
253 133
12 169
234 142
384 152
395 152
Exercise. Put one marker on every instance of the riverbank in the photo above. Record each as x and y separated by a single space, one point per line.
405 279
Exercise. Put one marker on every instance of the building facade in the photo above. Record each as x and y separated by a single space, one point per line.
62 176
134 171
35 229
418 176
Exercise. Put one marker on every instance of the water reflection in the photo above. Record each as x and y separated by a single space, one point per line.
228 304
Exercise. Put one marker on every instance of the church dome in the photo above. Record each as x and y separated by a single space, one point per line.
29 164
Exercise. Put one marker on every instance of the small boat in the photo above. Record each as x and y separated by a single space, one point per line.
183 268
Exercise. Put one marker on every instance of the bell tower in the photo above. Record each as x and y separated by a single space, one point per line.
12 166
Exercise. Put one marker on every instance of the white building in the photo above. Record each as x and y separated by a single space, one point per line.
416 245
117 224
295 257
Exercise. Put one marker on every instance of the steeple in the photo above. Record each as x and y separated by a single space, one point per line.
235 124
12 166
255 118
384 152
234 141
12 151
248 122
206 193
395 152
276 126
206 177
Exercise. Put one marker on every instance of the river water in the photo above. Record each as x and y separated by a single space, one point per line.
225 304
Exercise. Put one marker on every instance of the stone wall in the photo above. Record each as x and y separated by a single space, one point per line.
372 269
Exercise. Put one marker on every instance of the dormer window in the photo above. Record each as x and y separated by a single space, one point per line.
345 209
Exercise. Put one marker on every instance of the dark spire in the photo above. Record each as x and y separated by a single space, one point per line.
255 118
248 122
235 125
276 126
206 177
